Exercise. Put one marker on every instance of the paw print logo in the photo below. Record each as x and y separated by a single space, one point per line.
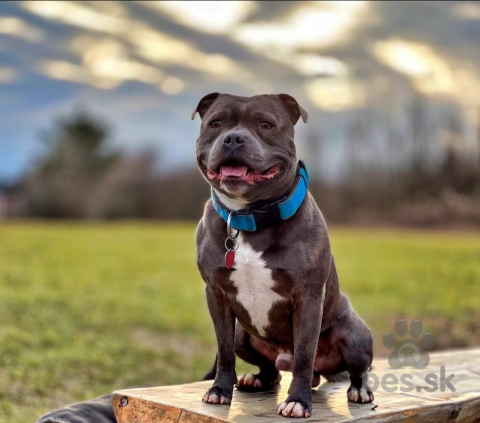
408 352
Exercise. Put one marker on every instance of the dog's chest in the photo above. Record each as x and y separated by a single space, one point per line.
254 283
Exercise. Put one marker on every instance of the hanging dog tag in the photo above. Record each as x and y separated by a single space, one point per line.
231 243
229 259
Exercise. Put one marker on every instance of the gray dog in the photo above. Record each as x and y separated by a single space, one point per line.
264 254
274 274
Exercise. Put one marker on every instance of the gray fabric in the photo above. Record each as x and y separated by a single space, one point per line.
98 410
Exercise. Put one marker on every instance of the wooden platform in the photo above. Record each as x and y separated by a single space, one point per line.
182 403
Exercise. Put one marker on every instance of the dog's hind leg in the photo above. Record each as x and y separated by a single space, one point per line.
268 376
358 353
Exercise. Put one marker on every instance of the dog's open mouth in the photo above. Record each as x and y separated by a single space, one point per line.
234 171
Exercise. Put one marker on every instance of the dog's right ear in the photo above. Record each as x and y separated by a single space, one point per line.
204 104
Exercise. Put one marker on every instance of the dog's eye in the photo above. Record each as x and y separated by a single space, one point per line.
266 126
215 124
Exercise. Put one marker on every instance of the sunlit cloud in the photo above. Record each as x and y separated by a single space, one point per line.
106 65
20 29
161 48
467 89
311 25
206 16
428 69
308 64
107 58
467 10
117 47
75 13
66 71
413 59
172 85
150 44
7 75
335 94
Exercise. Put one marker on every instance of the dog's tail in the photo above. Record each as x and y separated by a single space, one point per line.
212 373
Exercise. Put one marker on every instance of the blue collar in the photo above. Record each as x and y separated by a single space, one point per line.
271 213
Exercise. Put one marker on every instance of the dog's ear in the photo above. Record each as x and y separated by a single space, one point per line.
204 104
294 109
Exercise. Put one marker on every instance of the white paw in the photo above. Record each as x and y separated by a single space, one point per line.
362 395
293 409
214 396
249 381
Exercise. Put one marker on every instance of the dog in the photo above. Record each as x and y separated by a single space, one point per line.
264 254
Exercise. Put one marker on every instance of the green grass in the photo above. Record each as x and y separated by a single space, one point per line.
89 308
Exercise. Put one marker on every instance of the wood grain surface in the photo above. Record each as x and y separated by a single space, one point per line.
182 403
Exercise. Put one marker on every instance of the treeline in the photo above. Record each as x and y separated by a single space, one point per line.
414 162
414 173
81 177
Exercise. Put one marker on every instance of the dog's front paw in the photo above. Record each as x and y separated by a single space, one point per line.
218 395
296 406
362 395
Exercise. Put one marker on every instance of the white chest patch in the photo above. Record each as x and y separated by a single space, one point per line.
254 283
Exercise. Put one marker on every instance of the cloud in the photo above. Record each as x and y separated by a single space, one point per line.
108 62
335 94
311 25
467 10
207 16
77 14
429 71
144 65
416 60
18 28
172 85
8 75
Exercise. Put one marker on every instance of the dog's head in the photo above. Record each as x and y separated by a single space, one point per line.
246 147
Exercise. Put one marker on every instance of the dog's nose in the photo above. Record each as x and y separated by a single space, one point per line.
233 140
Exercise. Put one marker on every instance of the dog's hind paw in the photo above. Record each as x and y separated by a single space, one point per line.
250 382
362 395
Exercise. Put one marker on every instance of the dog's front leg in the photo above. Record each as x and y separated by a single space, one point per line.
224 323
307 321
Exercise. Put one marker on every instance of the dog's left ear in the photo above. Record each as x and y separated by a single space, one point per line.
204 104
294 109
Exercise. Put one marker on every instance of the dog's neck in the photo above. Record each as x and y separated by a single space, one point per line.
234 204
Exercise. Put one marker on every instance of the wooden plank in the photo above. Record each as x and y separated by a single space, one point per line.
182 403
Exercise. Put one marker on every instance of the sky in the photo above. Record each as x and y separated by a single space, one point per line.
142 66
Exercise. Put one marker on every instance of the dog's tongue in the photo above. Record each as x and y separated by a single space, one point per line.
235 171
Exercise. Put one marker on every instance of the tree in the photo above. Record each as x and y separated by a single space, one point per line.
77 156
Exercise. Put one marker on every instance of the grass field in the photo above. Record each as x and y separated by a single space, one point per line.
89 308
